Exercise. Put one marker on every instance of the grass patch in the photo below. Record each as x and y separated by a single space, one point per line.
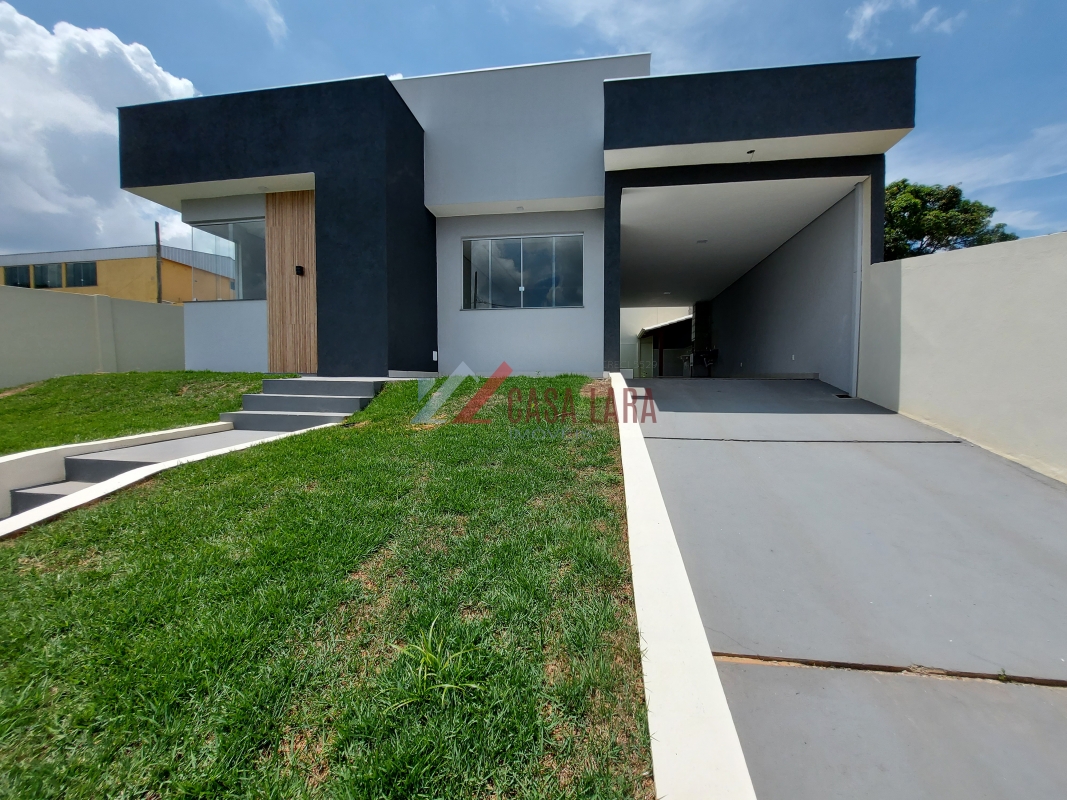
82 408
378 611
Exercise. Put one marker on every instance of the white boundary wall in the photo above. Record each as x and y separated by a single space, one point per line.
46 334
974 342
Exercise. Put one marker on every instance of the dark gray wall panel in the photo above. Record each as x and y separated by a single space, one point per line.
760 103
411 232
339 131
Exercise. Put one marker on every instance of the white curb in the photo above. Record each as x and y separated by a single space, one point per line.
695 749
43 513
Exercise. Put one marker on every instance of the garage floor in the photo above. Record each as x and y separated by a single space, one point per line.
821 529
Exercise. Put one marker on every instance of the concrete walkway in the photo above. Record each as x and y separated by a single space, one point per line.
826 530
287 405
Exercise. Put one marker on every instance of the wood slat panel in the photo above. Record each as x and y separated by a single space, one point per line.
292 334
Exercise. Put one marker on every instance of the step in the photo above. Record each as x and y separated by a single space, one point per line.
331 387
279 420
304 402
25 499
106 464
93 468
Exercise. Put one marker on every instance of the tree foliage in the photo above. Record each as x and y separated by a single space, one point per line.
924 219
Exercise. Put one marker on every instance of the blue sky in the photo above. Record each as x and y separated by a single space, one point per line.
992 102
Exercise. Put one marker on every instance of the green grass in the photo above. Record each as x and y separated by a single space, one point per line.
81 408
377 611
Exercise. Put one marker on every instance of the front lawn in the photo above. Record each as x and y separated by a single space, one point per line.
384 610
82 408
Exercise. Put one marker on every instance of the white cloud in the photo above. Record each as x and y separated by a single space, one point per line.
865 18
1029 220
932 20
994 175
272 16
673 30
59 176
1043 154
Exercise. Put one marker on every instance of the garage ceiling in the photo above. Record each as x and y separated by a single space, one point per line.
742 224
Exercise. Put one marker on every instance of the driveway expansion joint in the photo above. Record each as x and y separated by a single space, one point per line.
912 669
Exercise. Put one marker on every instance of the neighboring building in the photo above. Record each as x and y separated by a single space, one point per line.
127 273
511 214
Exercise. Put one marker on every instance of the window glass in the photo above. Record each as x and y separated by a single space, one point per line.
81 273
17 276
505 275
48 276
241 250
568 270
537 278
531 272
476 274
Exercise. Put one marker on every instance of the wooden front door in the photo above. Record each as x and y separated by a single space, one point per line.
292 335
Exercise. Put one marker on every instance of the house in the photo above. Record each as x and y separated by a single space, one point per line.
512 214
127 273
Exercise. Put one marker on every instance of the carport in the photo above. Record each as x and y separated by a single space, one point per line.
754 198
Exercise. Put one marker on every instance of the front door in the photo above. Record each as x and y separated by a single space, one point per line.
291 299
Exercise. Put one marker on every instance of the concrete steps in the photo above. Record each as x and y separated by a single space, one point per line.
286 405
92 468
25 499
279 420
324 387
293 404
334 404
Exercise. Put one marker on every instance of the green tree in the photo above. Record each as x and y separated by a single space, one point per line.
924 219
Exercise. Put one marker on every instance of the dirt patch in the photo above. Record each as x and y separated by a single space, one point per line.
303 752
28 564
18 389
601 386
474 613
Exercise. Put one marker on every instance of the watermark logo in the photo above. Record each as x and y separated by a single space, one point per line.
474 405
529 406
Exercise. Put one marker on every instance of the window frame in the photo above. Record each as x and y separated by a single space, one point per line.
464 240
49 267
70 269
9 272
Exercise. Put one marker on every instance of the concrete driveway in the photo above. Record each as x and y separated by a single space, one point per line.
823 531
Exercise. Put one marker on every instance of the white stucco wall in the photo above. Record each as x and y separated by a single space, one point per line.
498 138
974 342
47 334
546 341
226 336
795 311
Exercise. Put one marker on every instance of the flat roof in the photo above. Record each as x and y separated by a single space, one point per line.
209 262
659 325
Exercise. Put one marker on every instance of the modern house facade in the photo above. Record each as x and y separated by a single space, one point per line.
514 214
179 275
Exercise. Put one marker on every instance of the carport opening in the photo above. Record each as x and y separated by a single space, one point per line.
754 279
